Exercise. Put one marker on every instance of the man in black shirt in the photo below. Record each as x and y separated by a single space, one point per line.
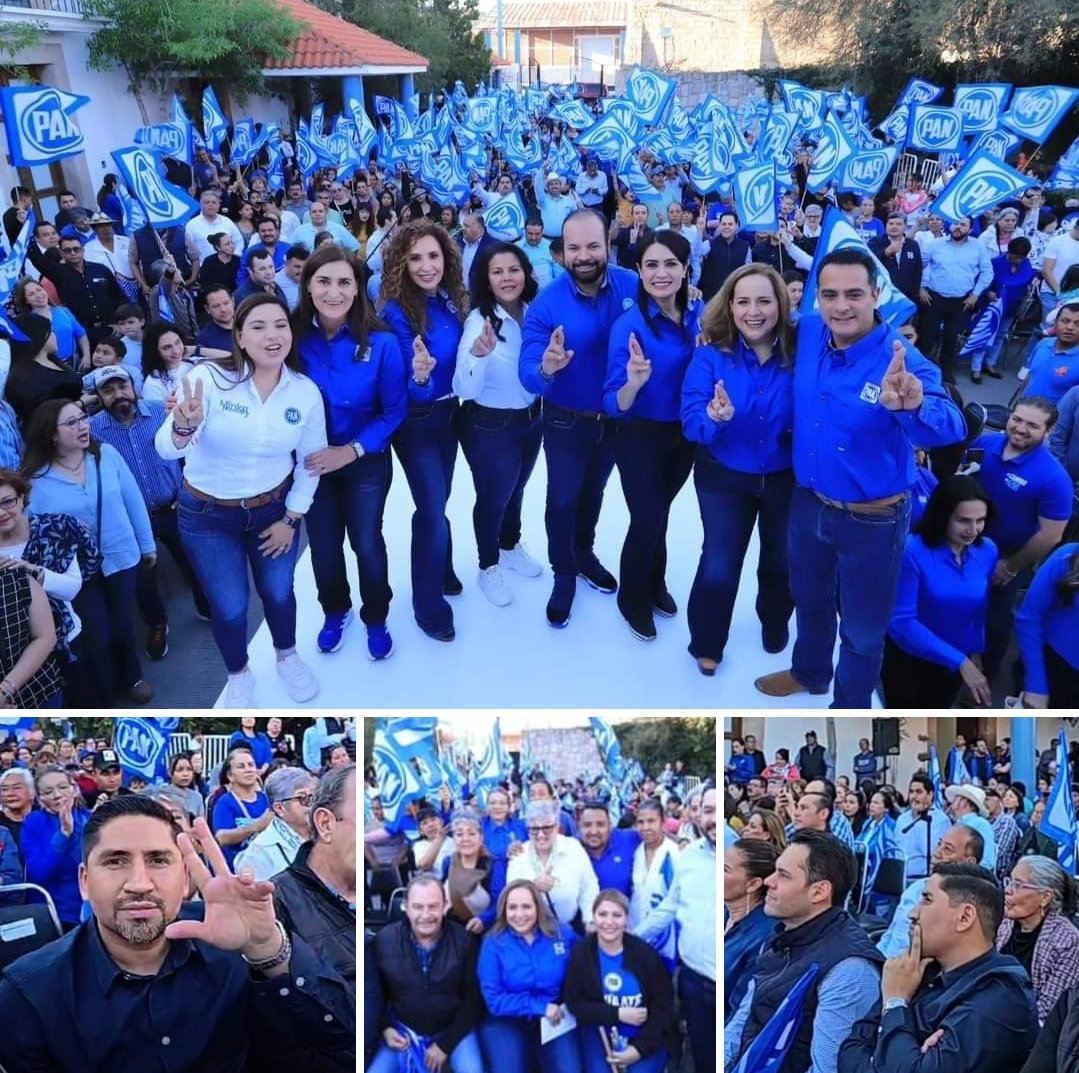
89 290
15 217
108 776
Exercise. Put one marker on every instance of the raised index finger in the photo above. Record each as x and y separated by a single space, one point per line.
899 357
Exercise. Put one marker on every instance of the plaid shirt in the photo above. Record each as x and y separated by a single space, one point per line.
1006 836
1055 966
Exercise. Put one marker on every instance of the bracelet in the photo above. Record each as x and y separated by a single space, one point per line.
545 376
1009 571
8 690
184 432
421 383
279 958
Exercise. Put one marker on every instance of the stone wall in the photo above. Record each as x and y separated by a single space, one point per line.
568 753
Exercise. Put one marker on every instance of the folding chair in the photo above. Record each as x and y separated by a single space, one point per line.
890 882
26 926
1027 320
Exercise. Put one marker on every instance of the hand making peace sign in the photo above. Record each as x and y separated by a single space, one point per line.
189 412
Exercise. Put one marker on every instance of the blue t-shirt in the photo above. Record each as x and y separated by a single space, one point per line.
259 745
621 989
230 813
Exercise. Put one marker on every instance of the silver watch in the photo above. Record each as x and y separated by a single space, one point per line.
896 1004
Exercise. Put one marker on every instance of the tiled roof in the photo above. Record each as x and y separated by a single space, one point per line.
545 14
327 42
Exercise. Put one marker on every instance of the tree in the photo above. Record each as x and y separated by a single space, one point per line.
157 42
658 741
17 36
441 30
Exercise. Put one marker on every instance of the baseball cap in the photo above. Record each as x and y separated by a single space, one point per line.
100 377
105 759
553 176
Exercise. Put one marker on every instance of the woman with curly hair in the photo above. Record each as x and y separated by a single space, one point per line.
425 305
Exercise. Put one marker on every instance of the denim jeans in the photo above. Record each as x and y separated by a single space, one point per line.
221 543
731 502
147 595
654 462
697 996
580 456
595 1060
351 501
994 352
426 445
513 1044
501 447
464 1058
860 555
108 661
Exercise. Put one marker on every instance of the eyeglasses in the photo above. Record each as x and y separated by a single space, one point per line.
304 799
74 422
1015 884
9 503
546 830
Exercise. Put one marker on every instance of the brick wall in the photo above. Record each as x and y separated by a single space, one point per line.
568 752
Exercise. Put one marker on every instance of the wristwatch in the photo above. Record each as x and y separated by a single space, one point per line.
358 448
292 523
896 1004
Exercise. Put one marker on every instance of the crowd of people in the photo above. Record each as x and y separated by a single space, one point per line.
981 908
214 387
158 885
532 932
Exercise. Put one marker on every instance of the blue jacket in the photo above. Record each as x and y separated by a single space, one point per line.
587 322
846 445
11 870
743 768
1010 286
1045 619
440 336
1064 439
365 394
741 945
519 979
52 861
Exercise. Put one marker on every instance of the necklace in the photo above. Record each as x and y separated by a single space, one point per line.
72 469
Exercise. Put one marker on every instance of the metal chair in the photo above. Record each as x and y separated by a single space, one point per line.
26 926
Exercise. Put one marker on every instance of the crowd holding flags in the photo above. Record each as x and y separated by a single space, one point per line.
1059 819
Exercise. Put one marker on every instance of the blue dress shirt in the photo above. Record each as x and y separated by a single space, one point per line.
158 478
940 607
956 269
1045 618
758 438
846 445
441 336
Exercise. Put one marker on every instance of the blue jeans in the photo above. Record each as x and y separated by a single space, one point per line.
859 554
654 461
513 1044
352 500
731 502
426 445
595 1060
108 661
221 543
697 995
464 1058
501 447
580 456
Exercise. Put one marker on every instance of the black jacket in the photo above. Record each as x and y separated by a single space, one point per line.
372 997
905 268
445 1003
92 295
722 259
322 918
583 992
1057 1047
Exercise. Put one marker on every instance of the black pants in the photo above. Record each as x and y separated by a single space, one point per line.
1063 681
943 319
910 682
147 595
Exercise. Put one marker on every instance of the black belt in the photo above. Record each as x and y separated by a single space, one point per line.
498 411
588 415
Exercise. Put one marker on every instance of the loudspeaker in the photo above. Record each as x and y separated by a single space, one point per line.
886 737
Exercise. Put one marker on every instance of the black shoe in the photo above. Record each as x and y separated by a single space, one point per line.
642 626
451 585
664 605
993 373
596 574
202 613
975 378
561 602
775 640
157 641
446 634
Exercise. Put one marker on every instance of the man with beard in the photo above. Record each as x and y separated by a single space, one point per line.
129 424
564 359
220 988
691 902
217 335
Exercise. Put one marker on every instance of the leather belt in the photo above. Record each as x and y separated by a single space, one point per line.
274 495
872 506
588 415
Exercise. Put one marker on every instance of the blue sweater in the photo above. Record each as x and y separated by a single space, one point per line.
940 607
519 979
364 393
52 860
441 336
1045 619
125 522
740 948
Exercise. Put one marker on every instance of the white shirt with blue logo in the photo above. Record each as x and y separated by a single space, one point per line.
245 446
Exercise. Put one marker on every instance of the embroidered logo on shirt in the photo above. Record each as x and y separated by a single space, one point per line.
870 392
559 949
1014 481
233 407
365 356
292 415
1061 370
627 303
612 982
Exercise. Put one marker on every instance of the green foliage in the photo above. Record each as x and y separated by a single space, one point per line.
655 742
441 30
16 36
158 41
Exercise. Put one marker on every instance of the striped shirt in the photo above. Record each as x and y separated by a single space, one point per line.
158 479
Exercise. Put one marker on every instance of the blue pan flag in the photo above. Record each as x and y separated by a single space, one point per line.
919 91
142 743
807 104
981 183
1036 110
958 773
650 93
214 124
755 197
769 1047
491 768
164 204
39 124
406 763
609 748
934 774
1059 819
174 140
980 104
833 148
864 172
984 333
934 129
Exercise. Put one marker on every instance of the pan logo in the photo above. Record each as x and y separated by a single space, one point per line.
759 195
937 129
827 155
977 191
305 157
979 107
148 188
869 169
45 127
1036 105
921 93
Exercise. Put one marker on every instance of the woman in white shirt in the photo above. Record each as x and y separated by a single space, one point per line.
166 360
243 428
500 421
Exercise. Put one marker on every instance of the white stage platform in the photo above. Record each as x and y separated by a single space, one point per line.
510 657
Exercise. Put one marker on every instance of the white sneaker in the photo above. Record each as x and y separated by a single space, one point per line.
298 679
520 562
240 691
493 584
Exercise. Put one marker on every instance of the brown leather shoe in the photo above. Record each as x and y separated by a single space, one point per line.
707 666
784 684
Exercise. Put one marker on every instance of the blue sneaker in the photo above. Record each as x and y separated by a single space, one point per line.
332 634
379 643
